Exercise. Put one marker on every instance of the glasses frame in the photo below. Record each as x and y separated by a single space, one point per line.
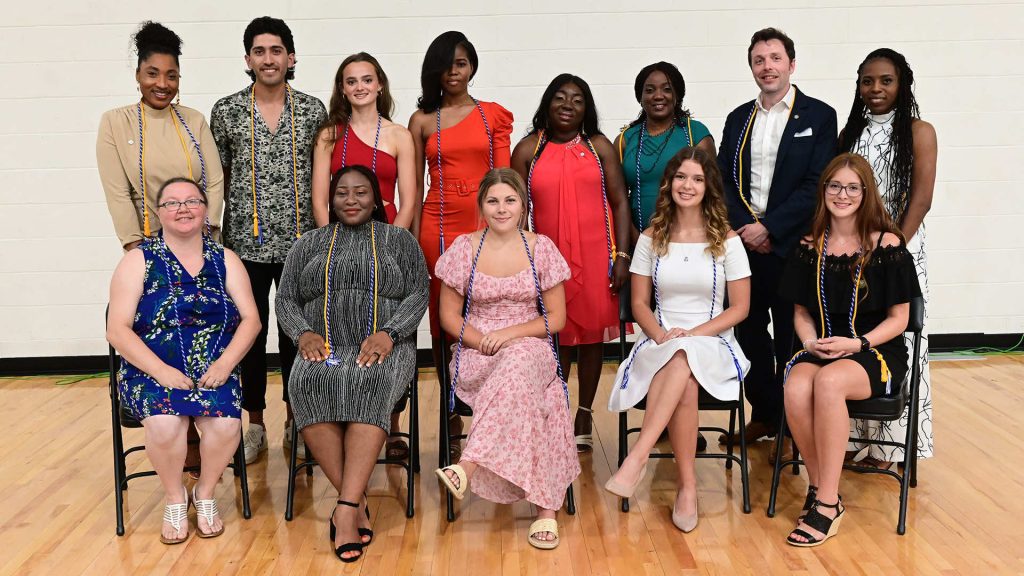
176 205
848 188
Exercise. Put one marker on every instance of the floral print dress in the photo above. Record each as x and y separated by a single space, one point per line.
188 322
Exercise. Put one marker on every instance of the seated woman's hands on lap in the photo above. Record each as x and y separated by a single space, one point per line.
374 349
670 334
312 347
491 342
216 375
171 377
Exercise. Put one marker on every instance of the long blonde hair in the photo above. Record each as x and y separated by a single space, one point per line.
713 209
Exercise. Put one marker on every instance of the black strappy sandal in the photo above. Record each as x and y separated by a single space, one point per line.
363 532
350 546
812 495
366 532
818 521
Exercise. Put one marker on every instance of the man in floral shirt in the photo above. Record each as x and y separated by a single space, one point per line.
264 134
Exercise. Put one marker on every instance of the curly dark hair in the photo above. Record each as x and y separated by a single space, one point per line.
269 25
155 38
900 169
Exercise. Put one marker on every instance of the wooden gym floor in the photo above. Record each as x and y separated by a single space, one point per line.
57 505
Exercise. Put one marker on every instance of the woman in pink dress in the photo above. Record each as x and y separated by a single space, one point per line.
577 198
520 443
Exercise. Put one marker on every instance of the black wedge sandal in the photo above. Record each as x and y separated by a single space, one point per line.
818 521
350 546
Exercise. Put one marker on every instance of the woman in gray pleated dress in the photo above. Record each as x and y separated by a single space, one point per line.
352 295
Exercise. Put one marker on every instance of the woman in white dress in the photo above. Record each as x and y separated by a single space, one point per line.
885 127
684 263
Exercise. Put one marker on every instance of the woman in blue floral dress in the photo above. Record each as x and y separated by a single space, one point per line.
182 316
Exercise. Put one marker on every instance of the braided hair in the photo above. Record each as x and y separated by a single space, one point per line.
902 140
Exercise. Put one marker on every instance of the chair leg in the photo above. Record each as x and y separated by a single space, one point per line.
410 468
119 473
744 463
243 480
623 450
414 424
289 507
570 501
728 441
777 469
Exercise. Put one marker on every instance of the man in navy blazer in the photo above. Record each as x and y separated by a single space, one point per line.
772 152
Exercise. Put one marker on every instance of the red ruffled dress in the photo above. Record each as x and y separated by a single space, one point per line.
566 190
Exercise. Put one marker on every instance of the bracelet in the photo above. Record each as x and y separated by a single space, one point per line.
621 254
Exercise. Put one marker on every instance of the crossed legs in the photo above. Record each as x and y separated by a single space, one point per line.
672 403
347 453
816 413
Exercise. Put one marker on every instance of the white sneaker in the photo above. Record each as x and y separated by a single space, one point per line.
300 451
254 442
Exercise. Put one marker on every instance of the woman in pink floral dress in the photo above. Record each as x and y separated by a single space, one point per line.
520 443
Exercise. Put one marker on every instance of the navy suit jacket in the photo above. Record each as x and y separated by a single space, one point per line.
793 193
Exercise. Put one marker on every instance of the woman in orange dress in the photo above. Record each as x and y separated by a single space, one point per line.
461 138
578 199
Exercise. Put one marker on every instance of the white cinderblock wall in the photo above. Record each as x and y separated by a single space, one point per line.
63 63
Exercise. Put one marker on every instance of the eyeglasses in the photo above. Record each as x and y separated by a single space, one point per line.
174 205
833 188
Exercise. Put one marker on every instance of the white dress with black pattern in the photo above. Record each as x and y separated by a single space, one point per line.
873 144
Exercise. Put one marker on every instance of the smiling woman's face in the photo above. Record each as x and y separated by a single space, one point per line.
353 199
502 207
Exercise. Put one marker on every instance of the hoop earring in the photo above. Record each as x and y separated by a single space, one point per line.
471 82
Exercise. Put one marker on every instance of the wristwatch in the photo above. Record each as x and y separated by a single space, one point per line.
393 334
864 344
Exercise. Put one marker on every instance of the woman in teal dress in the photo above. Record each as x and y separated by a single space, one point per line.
649 142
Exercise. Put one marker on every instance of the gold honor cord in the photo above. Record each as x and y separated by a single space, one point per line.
146 227
739 156
372 319
252 161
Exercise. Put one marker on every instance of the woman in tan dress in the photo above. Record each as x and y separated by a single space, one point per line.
144 144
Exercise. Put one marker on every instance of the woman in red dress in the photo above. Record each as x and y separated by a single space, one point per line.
359 130
578 199
460 139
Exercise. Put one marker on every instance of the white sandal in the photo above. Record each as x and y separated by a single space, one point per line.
585 442
207 510
543 525
458 491
175 514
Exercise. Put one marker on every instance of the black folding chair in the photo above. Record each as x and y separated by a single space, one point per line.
705 402
120 418
445 438
411 465
886 409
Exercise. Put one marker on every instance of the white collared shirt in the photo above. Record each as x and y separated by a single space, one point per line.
765 136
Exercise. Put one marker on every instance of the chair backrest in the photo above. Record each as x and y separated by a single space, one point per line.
915 323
